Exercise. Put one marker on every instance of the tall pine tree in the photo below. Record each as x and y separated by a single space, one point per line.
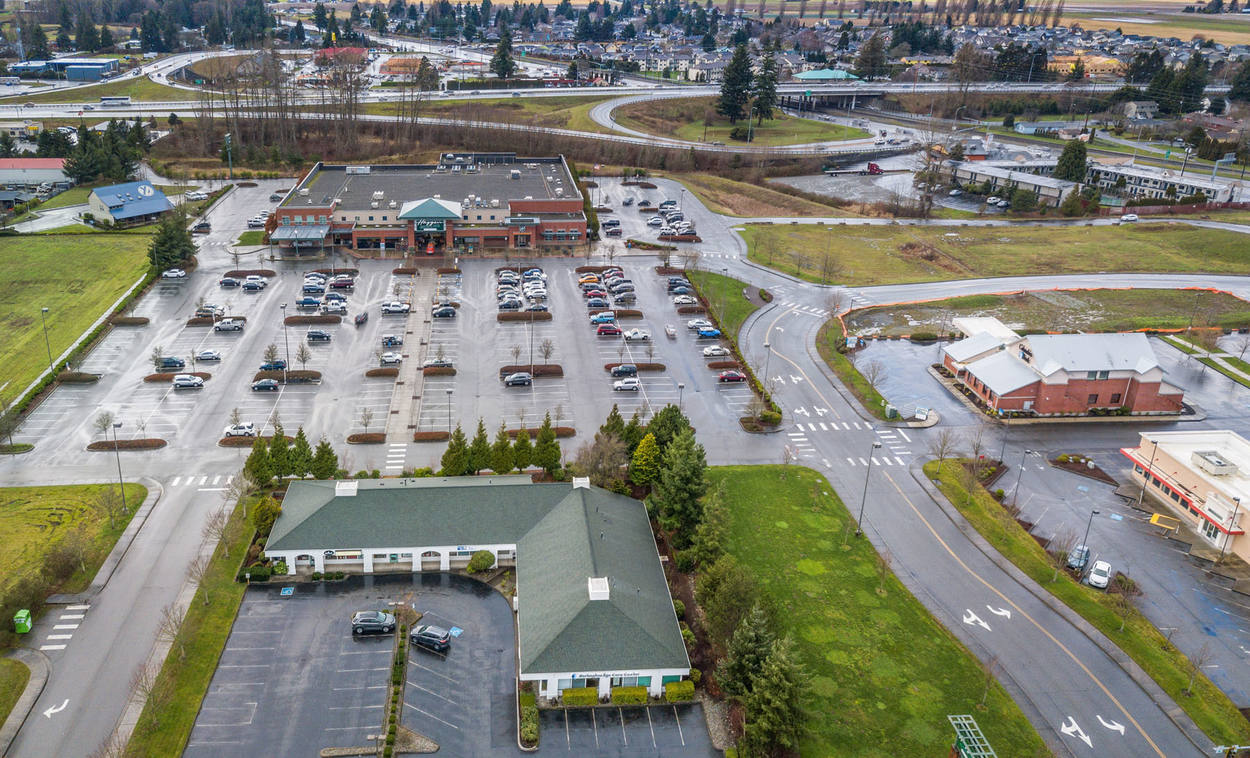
523 450
735 88
765 88
680 485
479 450
501 458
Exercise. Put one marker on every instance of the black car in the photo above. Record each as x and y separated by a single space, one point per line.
625 369
229 281
681 291
311 288
430 637
170 361
339 296
625 298
273 365
536 308
445 312
392 340
519 379
265 385
318 335
253 286
365 622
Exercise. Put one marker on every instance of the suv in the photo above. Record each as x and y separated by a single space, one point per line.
318 335
308 302
246 429
445 312
228 325
277 365
372 621
519 379
392 340
229 281
1078 557
431 637
170 361
202 228
188 382
625 369
334 307
394 307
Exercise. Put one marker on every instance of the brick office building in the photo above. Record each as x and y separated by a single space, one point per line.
1060 374
466 203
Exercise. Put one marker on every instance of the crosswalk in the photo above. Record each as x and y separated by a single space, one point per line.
63 630
894 443
808 310
203 482
396 453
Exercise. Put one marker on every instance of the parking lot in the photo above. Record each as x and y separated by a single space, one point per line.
676 730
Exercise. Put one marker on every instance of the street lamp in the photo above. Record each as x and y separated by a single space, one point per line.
1085 539
863 500
121 485
681 198
768 354
448 391
43 316
681 386
287 344
1146 474
1015 492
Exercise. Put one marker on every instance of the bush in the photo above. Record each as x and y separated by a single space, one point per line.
383 371
629 695
923 337
766 296
771 418
576 697
258 573
685 561
539 369
679 608
316 576
320 318
695 676
741 134
529 723
679 692
372 438
279 568
481 561
438 371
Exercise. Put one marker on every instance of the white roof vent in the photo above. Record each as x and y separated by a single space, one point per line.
581 482
597 587
345 489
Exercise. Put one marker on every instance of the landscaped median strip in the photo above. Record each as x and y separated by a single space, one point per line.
1208 707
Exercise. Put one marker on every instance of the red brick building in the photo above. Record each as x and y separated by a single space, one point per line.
467 203
1063 374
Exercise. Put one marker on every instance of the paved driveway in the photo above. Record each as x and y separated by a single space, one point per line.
668 730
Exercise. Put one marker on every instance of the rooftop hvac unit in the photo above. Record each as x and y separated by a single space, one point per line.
494 203
391 204
373 203
378 195
303 192
1213 463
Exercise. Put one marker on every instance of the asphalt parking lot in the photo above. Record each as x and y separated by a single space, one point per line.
669 730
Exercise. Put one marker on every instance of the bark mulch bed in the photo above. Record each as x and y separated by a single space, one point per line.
129 320
430 436
372 438
321 318
383 371
1079 465
524 316
150 443
537 369
640 366
247 441
561 431
438 371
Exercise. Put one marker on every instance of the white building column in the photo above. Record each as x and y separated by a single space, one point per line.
656 688
444 560
605 687
368 558
319 561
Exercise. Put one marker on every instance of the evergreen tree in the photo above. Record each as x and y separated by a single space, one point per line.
871 59
744 659
709 537
709 43
735 88
279 452
765 88
725 592
666 425
645 464
1077 74
171 245
1239 91
479 450
301 455
85 36
456 457
150 33
427 75
257 466
502 65
106 38
773 711
522 450
36 44
547 448
63 40
215 29
681 483
325 462
1072 164
298 34
1162 90
7 147
633 433
501 458
614 424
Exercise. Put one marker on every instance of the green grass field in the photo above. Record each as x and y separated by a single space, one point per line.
252 237
827 341
884 673
557 111
76 276
724 295
13 678
683 118
35 519
1210 708
867 255
141 88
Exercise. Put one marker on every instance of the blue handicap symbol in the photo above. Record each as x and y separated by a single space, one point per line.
456 631
1116 517
1082 488
288 591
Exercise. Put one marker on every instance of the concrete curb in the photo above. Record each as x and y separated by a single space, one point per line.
155 492
1112 651
40 669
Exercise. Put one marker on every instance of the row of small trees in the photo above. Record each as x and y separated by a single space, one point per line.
468 458
279 458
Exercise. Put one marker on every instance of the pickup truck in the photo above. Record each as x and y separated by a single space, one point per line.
308 302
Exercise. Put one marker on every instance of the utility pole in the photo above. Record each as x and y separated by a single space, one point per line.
229 156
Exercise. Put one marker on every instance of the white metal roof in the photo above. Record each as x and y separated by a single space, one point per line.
1003 372
1127 351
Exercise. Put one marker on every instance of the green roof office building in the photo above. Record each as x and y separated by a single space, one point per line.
592 603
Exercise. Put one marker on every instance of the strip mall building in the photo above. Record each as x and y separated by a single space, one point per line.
466 203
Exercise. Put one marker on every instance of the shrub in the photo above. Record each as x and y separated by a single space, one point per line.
685 561
259 573
679 608
383 371
316 576
279 568
372 438
695 675
679 692
77 377
481 561
128 321
772 418
766 296
629 695
923 337
438 371
687 635
576 697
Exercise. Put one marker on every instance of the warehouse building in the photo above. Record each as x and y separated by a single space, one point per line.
592 603
32 173
129 204
466 203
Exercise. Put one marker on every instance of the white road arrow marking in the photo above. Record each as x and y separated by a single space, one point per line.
803 411
1114 726
796 379
1073 730
820 411
971 619
56 709
779 379
999 611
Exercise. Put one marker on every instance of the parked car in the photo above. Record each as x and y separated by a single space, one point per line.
670 331
265 385
625 298
278 365
655 221
510 304
626 385
1129 217
603 317
682 290
169 361
196 195
342 284
1078 557
208 355
610 222
519 379
588 279
715 351
685 300
709 334
207 311
992 200
318 335
596 302
536 308
614 231
336 296
1100 575
308 302
334 307
202 228
391 359
228 325
625 369
608 330
173 273
445 312
188 382
392 340
253 286
365 622
731 376
394 307
695 324
226 282
955 192
429 636
639 335
314 288
257 279
627 201
246 429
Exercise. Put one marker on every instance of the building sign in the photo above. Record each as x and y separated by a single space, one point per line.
606 675
427 226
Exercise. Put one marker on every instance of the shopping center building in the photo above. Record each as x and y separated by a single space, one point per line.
466 203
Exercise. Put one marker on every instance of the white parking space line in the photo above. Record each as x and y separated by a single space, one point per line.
78 607
60 636
64 626
431 715
52 647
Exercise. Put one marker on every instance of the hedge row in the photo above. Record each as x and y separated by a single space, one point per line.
383 371
242 273
620 314
129 320
690 309
438 371
150 443
168 376
77 377
580 696
523 316
293 376
372 438
680 238
448 270
333 271
430 436
529 724
247 441
561 431
722 365
679 692
640 366
537 369
629 695
765 295
321 318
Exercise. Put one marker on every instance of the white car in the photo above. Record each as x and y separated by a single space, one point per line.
246 429
642 335
992 200
196 195
395 307
1129 217
173 273
666 231
655 221
188 382
391 359
334 306
685 300
1100 575
626 385
696 324
208 355
257 279
715 351
955 192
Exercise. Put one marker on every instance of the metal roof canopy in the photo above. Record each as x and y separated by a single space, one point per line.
968 738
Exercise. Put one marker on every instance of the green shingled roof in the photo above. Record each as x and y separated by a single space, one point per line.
564 537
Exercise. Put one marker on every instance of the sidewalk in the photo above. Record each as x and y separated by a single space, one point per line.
402 420
40 668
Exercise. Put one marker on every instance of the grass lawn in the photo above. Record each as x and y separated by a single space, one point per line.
884 673
76 276
1059 311
13 678
141 88
1210 708
557 111
724 295
253 237
733 198
827 342
683 118
167 718
867 255
78 195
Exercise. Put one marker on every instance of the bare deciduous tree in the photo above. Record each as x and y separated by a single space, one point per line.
215 528
516 353
103 422
303 355
168 626
837 301
1057 550
366 418
546 349
197 571
236 417
113 746
942 446
602 460
883 570
873 372
1197 662
987 670
271 353
143 683
109 500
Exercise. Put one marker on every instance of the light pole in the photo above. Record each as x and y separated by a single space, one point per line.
1015 492
681 386
43 316
1146 474
121 485
448 391
286 365
768 354
863 500
1232 524
681 198
1085 539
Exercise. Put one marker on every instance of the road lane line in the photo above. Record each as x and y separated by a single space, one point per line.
51 647
174 483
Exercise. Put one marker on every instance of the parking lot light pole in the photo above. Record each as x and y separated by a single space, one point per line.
863 500
43 316
287 344
681 387
121 484
1015 492
768 354
1085 539
448 413
1146 474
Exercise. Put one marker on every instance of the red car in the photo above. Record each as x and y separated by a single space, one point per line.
731 376
594 293
608 330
